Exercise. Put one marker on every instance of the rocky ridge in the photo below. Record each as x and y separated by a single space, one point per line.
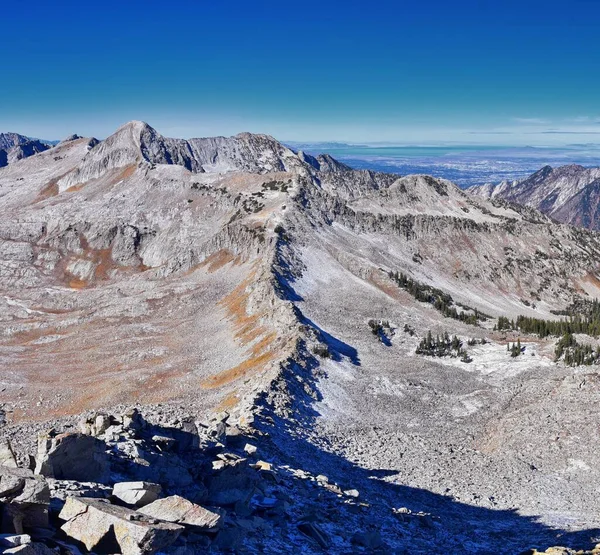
568 194
226 266
15 147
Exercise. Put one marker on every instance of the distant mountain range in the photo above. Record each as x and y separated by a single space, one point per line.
16 147
349 324
568 194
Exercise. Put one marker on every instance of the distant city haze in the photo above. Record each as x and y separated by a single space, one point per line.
464 165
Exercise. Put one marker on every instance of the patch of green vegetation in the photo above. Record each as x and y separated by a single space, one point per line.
515 349
588 324
382 329
277 186
574 353
441 301
443 346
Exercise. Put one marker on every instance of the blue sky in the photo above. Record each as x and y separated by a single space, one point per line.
471 71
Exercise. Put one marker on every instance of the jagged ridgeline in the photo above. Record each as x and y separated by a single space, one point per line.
202 276
441 301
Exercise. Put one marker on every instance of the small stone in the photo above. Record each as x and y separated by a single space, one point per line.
351 493
262 465
164 443
250 449
219 465
10 540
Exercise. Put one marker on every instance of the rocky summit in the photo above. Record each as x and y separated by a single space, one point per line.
223 345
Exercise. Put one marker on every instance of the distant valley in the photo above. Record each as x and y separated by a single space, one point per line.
466 165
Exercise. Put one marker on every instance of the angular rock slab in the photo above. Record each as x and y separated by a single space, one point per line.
136 493
180 510
96 524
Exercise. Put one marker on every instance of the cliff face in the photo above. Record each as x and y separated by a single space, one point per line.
15 147
139 213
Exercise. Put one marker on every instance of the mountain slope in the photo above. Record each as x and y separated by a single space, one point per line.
15 147
235 274
564 193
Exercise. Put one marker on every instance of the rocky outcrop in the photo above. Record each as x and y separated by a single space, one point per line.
97 525
24 500
72 457
137 494
228 281
136 142
7 456
15 147
179 510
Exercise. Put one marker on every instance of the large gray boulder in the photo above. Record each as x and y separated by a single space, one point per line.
180 510
115 529
24 499
72 456
231 485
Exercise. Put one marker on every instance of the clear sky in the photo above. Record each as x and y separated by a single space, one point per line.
467 71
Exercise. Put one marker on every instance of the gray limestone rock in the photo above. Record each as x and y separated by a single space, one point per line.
72 456
181 511
93 522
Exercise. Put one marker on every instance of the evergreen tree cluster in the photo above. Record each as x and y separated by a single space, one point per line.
577 323
442 346
473 341
441 301
382 329
575 354
515 349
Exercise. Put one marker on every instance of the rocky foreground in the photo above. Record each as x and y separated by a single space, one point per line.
166 483
121 484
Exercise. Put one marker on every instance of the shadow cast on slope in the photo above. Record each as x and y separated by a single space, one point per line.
452 527
338 349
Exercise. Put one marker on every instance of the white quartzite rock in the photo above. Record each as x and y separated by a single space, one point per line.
7 456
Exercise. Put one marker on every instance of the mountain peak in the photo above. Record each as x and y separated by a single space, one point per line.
134 126
563 193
